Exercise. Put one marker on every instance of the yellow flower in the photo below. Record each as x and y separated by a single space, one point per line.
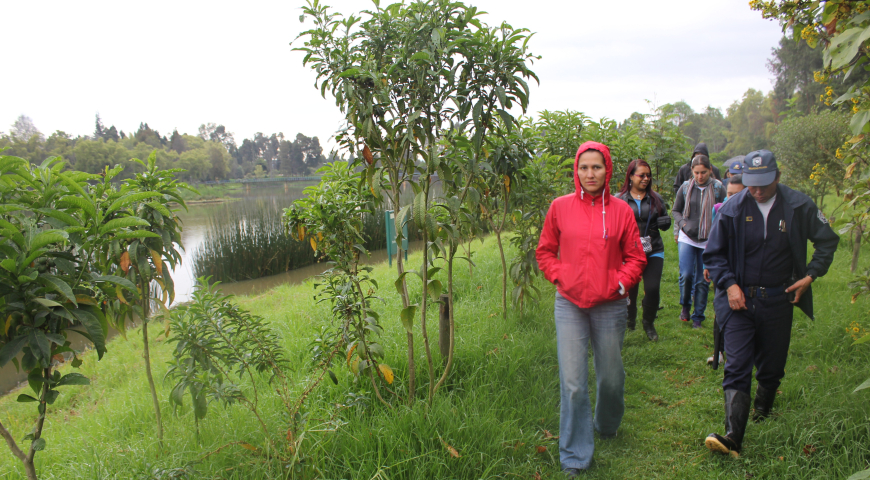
855 109
855 100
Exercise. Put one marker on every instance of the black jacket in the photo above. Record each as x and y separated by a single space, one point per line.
685 171
725 249
657 221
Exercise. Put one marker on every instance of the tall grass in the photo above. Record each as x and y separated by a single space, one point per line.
496 410
246 240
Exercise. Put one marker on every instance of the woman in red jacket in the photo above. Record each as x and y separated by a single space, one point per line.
590 249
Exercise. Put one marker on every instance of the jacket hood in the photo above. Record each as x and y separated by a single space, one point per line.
702 149
608 166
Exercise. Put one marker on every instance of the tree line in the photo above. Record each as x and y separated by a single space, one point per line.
210 155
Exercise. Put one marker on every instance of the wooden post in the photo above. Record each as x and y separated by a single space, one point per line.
444 326
286 188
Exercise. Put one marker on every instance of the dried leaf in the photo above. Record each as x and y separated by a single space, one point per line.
548 435
541 449
367 154
450 449
313 243
158 262
125 261
248 446
538 476
387 372
809 450
350 353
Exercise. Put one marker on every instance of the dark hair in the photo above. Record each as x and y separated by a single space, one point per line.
702 160
737 179
655 201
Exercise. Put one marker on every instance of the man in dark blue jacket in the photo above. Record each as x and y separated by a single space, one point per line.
757 258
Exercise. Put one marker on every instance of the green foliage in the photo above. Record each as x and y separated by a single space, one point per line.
218 349
331 218
808 150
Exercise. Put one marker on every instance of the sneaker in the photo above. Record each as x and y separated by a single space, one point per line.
684 315
696 324
572 472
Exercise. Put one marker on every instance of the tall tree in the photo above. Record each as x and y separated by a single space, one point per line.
23 129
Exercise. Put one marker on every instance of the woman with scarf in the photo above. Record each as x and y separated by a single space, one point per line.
651 215
693 218
591 250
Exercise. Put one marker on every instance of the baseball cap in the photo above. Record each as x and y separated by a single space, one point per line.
759 168
736 168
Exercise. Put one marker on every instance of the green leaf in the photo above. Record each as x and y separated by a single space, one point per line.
38 445
863 475
864 339
408 315
24 398
79 202
124 222
11 349
59 286
48 237
73 379
136 234
844 46
200 405
116 280
9 264
420 209
859 120
94 328
46 302
128 199
420 56
399 283
434 288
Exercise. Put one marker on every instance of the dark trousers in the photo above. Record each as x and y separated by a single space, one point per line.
756 337
652 281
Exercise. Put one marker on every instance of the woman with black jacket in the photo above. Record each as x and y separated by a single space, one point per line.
651 214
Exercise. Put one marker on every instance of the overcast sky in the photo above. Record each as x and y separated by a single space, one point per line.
178 64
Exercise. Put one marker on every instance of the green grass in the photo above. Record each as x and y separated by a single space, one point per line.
501 399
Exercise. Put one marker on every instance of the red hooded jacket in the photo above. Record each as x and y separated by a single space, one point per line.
591 244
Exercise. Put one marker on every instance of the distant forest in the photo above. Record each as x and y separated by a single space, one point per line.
211 155
750 123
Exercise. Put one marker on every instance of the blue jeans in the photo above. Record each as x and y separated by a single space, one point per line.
605 326
692 281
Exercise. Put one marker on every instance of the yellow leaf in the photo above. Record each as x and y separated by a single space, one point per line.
507 183
354 367
319 236
313 243
87 300
8 324
158 262
300 232
350 353
387 372
856 138
248 446
850 169
121 295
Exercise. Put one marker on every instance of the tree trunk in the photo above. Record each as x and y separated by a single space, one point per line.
444 325
856 246
400 268
146 310
504 274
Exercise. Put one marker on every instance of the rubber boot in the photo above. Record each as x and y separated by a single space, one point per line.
736 416
763 402
649 319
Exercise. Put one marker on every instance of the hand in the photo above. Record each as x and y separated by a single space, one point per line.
707 276
676 239
799 287
735 298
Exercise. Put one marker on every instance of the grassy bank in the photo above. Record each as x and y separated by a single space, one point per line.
497 411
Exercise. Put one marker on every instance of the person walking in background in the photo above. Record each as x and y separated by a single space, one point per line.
734 186
757 257
693 217
684 174
590 249
736 168
651 215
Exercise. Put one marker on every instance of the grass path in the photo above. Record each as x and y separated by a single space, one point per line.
498 410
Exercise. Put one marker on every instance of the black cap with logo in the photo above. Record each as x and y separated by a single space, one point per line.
759 168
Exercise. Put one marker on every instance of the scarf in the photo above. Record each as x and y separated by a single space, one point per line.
708 196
